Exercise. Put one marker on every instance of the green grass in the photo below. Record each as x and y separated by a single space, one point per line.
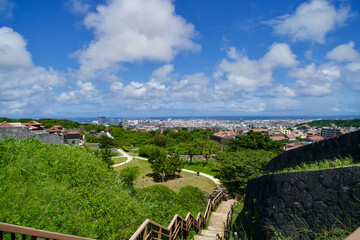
118 160
144 180
337 162
211 168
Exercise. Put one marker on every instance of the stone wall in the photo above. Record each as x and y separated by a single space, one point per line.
21 133
310 200
342 146
49 138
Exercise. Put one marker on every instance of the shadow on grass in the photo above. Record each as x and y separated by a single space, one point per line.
158 178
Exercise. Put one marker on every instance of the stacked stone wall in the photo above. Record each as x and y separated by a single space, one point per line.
300 204
21 133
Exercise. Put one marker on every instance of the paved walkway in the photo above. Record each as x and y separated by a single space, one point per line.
130 158
216 222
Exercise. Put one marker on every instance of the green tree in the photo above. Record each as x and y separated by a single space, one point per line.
106 157
256 141
106 142
162 165
236 168
207 147
160 140
129 174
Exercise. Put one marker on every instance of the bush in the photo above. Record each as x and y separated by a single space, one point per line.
126 148
145 150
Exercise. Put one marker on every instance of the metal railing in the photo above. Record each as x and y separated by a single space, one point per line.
33 234
179 226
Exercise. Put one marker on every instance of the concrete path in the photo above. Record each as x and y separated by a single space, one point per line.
216 222
130 158
125 154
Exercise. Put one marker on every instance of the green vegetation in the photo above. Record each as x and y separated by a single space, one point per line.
338 122
236 168
145 178
329 163
129 174
256 141
162 165
69 190
212 168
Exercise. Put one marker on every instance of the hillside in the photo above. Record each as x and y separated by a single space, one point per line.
66 189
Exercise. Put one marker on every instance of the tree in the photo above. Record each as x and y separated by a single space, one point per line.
160 140
256 141
162 165
129 174
236 168
207 147
106 142
106 157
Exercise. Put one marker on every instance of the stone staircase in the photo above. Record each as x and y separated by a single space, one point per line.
216 222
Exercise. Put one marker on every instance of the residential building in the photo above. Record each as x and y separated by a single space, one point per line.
223 136
327 132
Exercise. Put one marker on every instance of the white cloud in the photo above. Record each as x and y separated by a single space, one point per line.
163 74
312 20
279 55
245 75
344 52
21 83
78 6
13 51
282 91
6 7
191 87
85 94
134 30
316 81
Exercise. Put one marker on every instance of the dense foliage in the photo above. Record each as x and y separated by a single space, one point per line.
67 189
255 141
126 137
236 168
163 203
338 122
162 165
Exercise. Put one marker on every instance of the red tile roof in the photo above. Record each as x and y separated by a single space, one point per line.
224 134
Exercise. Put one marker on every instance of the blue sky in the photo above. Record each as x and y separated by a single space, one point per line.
148 58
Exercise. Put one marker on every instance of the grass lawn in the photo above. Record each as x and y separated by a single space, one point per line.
210 168
205 184
118 160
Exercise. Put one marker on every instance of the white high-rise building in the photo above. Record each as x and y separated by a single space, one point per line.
101 120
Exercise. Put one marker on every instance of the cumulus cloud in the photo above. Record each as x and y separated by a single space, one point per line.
316 81
243 74
13 53
22 83
134 30
312 20
344 52
85 93
191 87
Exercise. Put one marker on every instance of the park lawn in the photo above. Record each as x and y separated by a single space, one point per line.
200 166
205 184
119 159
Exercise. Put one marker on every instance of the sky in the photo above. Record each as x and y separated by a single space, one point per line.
149 58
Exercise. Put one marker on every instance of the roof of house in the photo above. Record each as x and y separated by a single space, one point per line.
315 138
259 130
6 124
290 136
277 138
224 134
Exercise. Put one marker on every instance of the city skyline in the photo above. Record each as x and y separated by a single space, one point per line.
162 58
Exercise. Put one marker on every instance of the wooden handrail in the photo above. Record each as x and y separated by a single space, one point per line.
182 226
35 233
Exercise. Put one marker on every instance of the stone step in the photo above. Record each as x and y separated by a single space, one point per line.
210 233
213 228
198 237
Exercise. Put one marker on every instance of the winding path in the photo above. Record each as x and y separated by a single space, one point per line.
130 158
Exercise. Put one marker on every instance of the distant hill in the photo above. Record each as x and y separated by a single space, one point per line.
338 122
